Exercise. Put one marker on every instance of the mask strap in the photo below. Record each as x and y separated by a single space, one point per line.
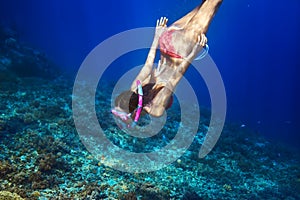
203 53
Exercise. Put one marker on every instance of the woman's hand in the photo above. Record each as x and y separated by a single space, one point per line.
202 40
200 43
161 26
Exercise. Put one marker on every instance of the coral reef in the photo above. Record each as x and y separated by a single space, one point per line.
6 195
42 156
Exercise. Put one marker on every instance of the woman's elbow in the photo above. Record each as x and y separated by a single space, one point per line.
155 110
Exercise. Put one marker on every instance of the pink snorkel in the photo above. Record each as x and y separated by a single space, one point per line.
140 103
124 116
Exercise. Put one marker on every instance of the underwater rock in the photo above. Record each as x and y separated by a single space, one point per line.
6 32
31 65
6 195
4 63
22 61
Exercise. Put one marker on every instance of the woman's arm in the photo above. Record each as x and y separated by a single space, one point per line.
161 25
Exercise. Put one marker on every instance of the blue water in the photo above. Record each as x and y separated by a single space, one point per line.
254 43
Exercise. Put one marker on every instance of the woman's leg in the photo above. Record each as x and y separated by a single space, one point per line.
200 22
200 17
182 22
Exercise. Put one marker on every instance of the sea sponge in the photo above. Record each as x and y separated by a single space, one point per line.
6 195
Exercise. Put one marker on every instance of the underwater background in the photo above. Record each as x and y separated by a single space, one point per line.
255 45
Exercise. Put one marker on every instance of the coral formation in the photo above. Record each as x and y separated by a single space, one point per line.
6 195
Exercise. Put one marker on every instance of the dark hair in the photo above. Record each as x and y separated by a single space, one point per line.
128 100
